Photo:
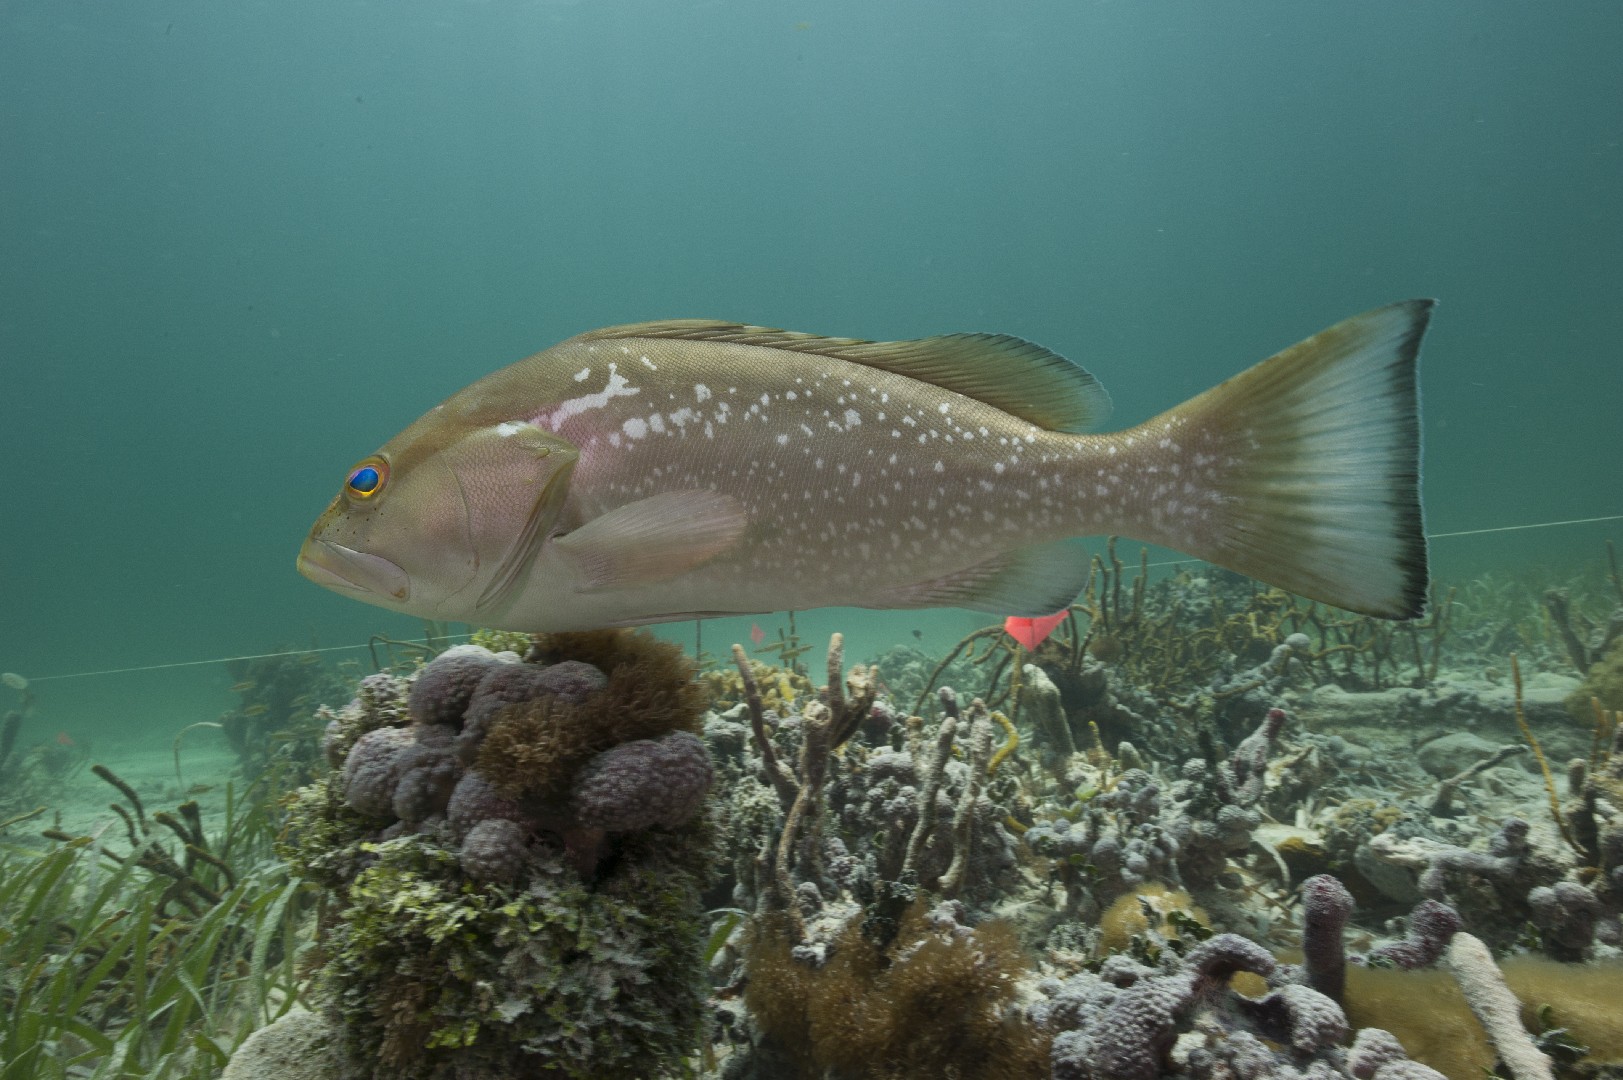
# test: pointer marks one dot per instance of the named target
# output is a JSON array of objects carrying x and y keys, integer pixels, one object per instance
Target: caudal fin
[{"x": 1307, "y": 467}]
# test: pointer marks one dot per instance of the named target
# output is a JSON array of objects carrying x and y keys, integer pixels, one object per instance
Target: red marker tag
[{"x": 1031, "y": 632}]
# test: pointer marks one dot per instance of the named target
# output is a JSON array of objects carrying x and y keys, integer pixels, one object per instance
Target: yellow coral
[
  {"x": 1125, "y": 917},
  {"x": 1427, "y": 1012}
]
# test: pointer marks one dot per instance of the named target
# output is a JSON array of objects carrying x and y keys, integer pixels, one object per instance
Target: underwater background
[{"x": 241, "y": 245}]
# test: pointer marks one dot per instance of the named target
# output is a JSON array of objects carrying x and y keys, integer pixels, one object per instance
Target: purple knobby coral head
[
  {"x": 643, "y": 783},
  {"x": 442, "y": 690},
  {"x": 495, "y": 851},
  {"x": 509, "y": 684},
  {"x": 371, "y": 770},
  {"x": 426, "y": 771},
  {"x": 474, "y": 800}
]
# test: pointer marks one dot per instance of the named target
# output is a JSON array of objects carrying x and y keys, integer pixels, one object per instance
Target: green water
[{"x": 245, "y": 243}]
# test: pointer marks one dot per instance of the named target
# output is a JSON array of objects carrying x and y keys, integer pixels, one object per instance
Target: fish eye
[{"x": 366, "y": 480}]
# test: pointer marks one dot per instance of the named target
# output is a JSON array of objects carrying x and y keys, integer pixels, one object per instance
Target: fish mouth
[{"x": 335, "y": 566}]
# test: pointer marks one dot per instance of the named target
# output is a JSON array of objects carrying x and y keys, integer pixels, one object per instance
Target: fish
[
  {"x": 757, "y": 635},
  {"x": 691, "y": 468}
]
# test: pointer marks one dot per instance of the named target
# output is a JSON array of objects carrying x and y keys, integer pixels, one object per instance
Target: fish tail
[{"x": 1304, "y": 471}]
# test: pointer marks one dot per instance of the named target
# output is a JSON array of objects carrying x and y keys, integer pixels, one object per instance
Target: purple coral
[
  {"x": 509, "y": 684},
  {"x": 444, "y": 687},
  {"x": 426, "y": 771},
  {"x": 370, "y": 771},
  {"x": 1377, "y": 1055},
  {"x": 1125, "y": 1030},
  {"x": 1326, "y": 906},
  {"x": 1566, "y": 912},
  {"x": 494, "y": 851},
  {"x": 643, "y": 783},
  {"x": 474, "y": 801},
  {"x": 572, "y": 681},
  {"x": 1431, "y": 926},
  {"x": 1249, "y": 762},
  {"x": 1300, "y": 1017}
]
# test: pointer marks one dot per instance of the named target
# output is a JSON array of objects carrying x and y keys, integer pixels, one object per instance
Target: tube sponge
[
  {"x": 1431, "y": 925},
  {"x": 1327, "y": 905},
  {"x": 1496, "y": 1008}
]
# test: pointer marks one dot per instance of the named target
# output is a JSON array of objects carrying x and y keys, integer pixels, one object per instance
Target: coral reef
[{"x": 1095, "y": 856}]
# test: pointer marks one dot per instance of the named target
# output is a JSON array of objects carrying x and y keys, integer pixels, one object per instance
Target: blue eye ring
[{"x": 367, "y": 479}]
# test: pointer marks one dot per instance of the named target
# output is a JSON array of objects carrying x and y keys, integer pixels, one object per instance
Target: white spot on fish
[
  {"x": 583, "y": 374},
  {"x": 942, "y": 408},
  {"x": 997, "y": 467},
  {"x": 617, "y": 386},
  {"x": 507, "y": 427},
  {"x": 783, "y": 440},
  {"x": 939, "y": 467},
  {"x": 701, "y": 391},
  {"x": 656, "y": 424},
  {"x": 792, "y": 396},
  {"x": 635, "y": 427},
  {"x": 851, "y": 418},
  {"x": 647, "y": 363}
]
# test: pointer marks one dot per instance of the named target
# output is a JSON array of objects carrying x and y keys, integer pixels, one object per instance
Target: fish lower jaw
[{"x": 342, "y": 569}]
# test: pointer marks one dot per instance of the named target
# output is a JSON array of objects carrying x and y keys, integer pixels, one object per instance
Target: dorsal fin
[{"x": 1010, "y": 373}]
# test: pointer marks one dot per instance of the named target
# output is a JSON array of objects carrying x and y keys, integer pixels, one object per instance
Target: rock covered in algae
[
  {"x": 297, "y": 1046},
  {"x": 478, "y": 935}
]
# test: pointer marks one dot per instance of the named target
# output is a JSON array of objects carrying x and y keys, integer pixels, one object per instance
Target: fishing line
[
  {"x": 353, "y": 648},
  {"x": 1464, "y": 532}
]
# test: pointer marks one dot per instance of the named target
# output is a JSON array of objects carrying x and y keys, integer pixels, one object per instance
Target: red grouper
[{"x": 683, "y": 469}]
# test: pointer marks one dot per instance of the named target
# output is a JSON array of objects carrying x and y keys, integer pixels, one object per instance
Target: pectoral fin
[
  {"x": 653, "y": 539},
  {"x": 516, "y": 560}
]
